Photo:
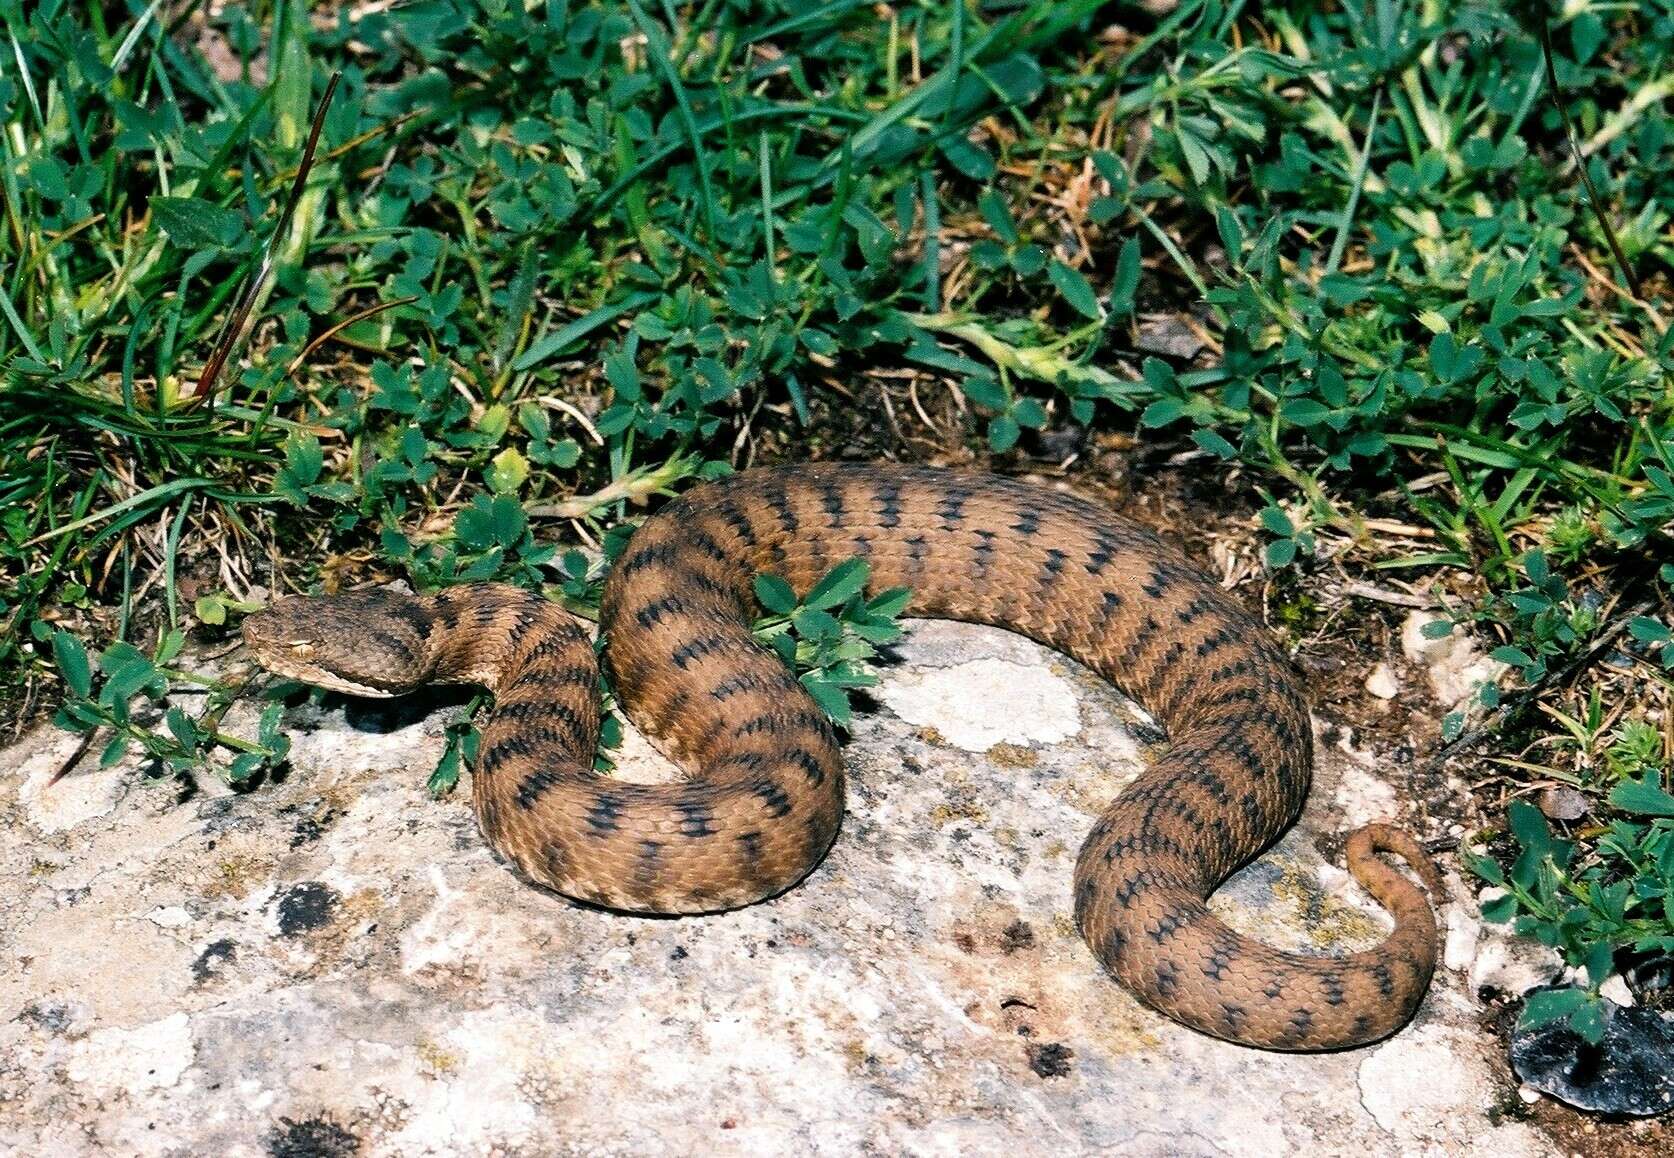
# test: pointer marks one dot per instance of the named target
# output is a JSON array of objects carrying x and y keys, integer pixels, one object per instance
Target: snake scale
[{"x": 765, "y": 795}]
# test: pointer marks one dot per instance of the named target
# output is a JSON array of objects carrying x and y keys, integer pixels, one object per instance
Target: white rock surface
[
  {"x": 1615, "y": 988},
  {"x": 1452, "y": 664},
  {"x": 1412, "y": 1086},
  {"x": 73, "y": 800},
  {"x": 1501, "y": 961},
  {"x": 985, "y": 702},
  {"x": 334, "y": 964},
  {"x": 1461, "y": 934},
  {"x": 1363, "y": 790},
  {"x": 117, "y": 1061}
]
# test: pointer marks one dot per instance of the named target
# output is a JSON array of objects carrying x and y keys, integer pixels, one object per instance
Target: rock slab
[{"x": 335, "y": 964}]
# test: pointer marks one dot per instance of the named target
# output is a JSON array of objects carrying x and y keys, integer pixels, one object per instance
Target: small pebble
[
  {"x": 1562, "y": 803},
  {"x": 1615, "y": 988},
  {"x": 1382, "y": 683},
  {"x": 170, "y": 917}
]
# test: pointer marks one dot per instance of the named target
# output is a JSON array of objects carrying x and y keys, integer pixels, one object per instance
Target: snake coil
[{"x": 765, "y": 797}]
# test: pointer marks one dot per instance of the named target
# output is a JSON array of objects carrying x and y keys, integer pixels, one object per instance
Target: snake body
[{"x": 765, "y": 797}]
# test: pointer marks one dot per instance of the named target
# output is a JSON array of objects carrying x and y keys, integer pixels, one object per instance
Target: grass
[{"x": 554, "y": 261}]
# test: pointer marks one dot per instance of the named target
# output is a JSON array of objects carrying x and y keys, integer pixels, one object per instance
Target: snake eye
[{"x": 301, "y": 648}]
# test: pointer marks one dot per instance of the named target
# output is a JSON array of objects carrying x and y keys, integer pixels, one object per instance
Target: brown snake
[{"x": 765, "y": 796}]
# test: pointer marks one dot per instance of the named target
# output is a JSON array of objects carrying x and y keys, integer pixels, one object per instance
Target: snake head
[{"x": 370, "y": 642}]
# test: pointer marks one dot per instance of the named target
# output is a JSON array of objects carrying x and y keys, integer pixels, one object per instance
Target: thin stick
[{"x": 1384, "y": 595}]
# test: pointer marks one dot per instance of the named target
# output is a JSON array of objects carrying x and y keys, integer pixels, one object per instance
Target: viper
[{"x": 764, "y": 795}]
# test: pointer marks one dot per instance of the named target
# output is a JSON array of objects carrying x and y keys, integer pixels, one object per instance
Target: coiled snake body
[{"x": 766, "y": 793}]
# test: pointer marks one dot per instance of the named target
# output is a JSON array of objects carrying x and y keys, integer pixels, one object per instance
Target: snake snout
[
  {"x": 284, "y": 628},
  {"x": 364, "y": 643}
]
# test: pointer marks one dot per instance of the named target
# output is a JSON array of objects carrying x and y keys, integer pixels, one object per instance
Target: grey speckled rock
[
  {"x": 336, "y": 963},
  {"x": 1627, "y": 1072}
]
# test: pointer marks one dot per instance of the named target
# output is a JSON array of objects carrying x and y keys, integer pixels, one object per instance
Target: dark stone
[
  {"x": 1649, "y": 973},
  {"x": 306, "y": 906},
  {"x": 1630, "y": 1072},
  {"x": 1169, "y": 336},
  {"x": 1564, "y": 803}
]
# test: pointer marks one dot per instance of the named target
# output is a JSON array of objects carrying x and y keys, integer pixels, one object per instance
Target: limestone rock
[
  {"x": 1381, "y": 682},
  {"x": 335, "y": 963},
  {"x": 1615, "y": 988}
]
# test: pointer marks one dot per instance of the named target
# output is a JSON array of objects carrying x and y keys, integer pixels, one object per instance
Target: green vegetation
[
  {"x": 558, "y": 259},
  {"x": 831, "y": 632},
  {"x": 1620, "y": 896},
  {"x": 126, "y": 674}
]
